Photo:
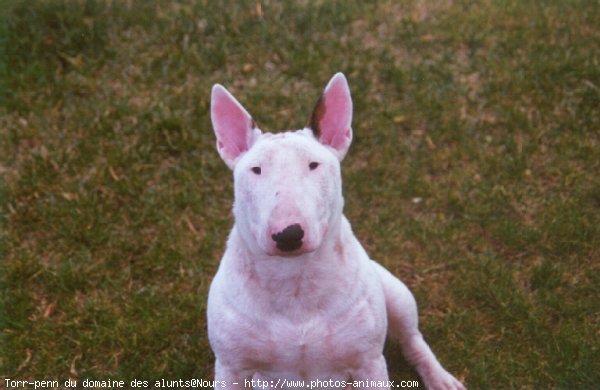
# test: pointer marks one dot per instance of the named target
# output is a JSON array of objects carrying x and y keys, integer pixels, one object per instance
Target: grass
[{"x": 473, "y": 175}]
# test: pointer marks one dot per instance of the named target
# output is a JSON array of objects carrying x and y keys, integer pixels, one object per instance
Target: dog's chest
[{"x": 311, "y": 343}]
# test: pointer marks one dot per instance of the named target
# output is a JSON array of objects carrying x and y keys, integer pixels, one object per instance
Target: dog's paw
[{"x": 443, "y": 380}]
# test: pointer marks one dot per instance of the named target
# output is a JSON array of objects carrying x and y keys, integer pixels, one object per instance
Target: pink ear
[
  {"x": 232, "y": 124},
  {"x": 331, "y": 119}
]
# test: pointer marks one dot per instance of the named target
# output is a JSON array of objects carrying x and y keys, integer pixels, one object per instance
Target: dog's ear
[
  {"x": 234, "y": 127},
  {"x": 331, "y": 119}
]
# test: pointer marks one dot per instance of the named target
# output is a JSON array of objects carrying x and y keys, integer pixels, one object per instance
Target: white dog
[{"x": 296, "y": 298}]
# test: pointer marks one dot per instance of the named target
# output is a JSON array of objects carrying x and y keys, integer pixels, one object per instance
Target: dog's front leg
[
  {"x": 403, "y": 326},
  {"x": 230, "y": 377},
  {"x": 371, "y": 376}
]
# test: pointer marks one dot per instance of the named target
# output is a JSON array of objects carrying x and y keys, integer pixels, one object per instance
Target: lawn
[{"x": 474, "y": 175}]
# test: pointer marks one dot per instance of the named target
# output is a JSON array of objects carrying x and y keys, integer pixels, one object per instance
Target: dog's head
[{"x": 287, "y": 185}]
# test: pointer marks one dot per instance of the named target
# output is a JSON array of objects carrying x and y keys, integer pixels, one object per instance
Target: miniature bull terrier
[{"x": 296, "y": 297}]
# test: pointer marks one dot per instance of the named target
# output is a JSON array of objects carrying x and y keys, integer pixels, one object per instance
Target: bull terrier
[{"x": 296, "y": 297}]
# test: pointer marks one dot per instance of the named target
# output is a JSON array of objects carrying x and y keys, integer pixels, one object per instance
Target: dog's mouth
[
  {"x": 291, "y": 250},
  {"x": 289, "y": 254}
]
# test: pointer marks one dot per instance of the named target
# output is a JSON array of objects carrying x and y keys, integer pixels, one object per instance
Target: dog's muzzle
[{"x": 289, "y": 239}]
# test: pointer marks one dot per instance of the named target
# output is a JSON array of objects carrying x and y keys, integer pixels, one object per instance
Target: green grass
[{"x": 474, "y": 174}]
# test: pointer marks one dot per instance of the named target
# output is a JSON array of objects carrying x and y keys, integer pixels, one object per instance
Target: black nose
[{"x": 290, "y": 238}]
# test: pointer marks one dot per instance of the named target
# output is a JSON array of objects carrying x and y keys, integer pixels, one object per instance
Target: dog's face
[
  {"x": 287, "y": 185},
  {"x": 287, "y": 188}
]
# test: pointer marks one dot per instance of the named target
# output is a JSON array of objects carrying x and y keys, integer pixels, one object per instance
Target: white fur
[{"x": 320, "y": 311}]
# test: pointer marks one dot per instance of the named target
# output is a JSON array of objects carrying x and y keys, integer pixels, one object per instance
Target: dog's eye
[
  {"x": 256, "y": 170},
  {"x": 313, "y": 165}
]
